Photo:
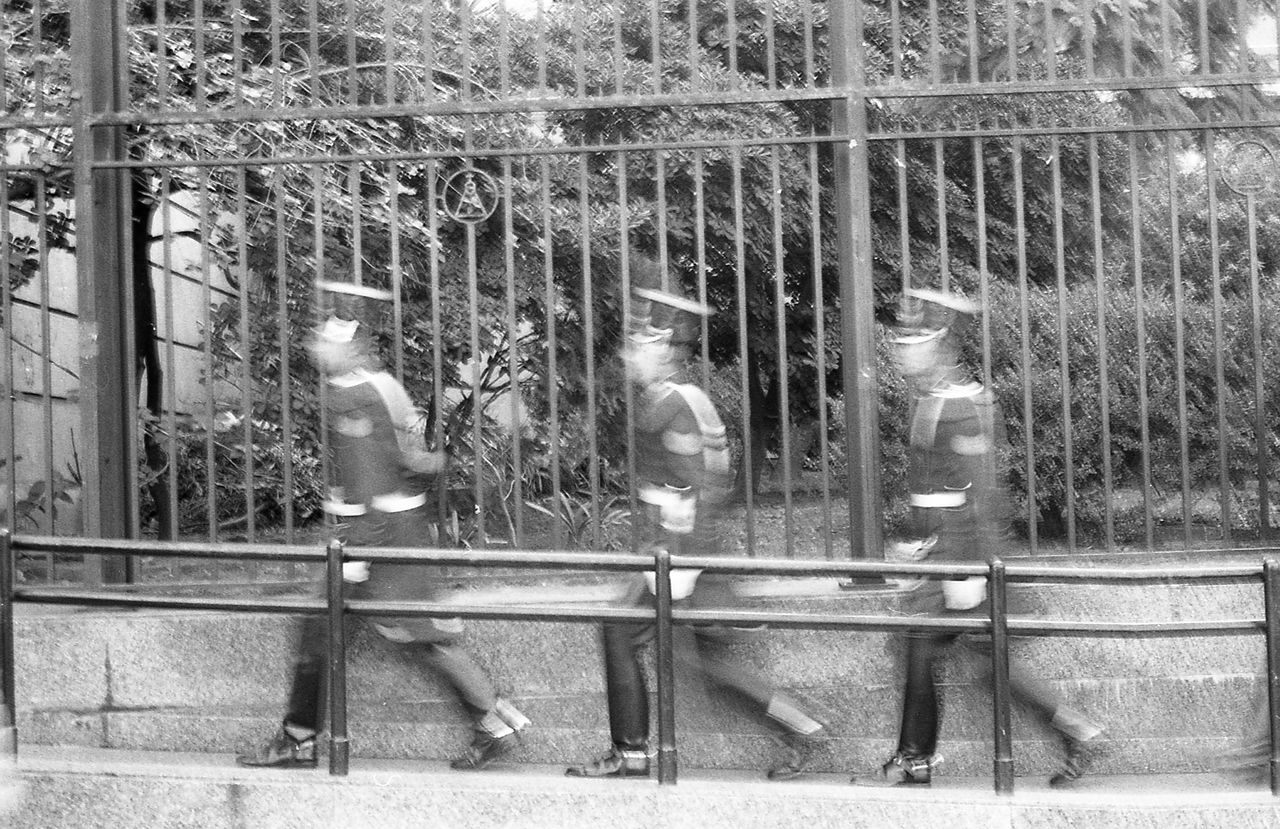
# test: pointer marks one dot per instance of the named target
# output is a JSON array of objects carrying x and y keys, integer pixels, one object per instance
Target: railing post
[
  {"x": 339, "y": 745},
  {"x": 1271, "y": 595},
  {"x": 665, "y": 659},
  {"x": 9, "y": 725},
  {"x": 1000, "y": 696}
]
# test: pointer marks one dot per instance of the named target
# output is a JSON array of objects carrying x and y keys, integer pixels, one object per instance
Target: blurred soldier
[
  {"x": 958, "y": 513},
  {"x": 378, "y": 451},
  {"x": 682, "y": 462}
]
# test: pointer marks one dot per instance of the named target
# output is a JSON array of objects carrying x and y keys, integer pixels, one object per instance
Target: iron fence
[{"x": 1102, "y": 179}]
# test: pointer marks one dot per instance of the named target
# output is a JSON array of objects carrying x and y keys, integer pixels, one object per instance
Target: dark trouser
[
  {"x": 697, "y": 648},
  {"x": 434, "y": 643},
  {"x": 919, "y": 734}
]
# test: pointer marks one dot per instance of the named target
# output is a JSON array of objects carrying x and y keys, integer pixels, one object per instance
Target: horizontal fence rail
[{"x": 999, "y": 573}]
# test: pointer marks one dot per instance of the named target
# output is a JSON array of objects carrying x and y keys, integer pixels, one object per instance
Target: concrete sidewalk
[{"x": 87, "y": 788}]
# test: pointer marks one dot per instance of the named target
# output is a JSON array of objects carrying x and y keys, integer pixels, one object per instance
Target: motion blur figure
[
  {"x": 378, "y": 457},
  {"x": 958, "y": 513},
  {"x": 685, "y": 479}
]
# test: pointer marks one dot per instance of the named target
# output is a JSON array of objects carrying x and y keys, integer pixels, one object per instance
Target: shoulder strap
[{"x": 715, "y": 443}]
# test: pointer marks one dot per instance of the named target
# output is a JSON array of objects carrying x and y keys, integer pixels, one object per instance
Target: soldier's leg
[
  {"x": 1079, "y": 733},
  {"x": 918, "y": 734},
  {"x": 628, "y": 699},
  {"x": 438, "y": 645},
  {"x": 802, "y": 733},
  {"x": 294, "y": 743}
]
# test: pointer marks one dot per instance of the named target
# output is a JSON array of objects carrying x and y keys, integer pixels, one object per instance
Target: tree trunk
[{"x": 148, "y": 356}]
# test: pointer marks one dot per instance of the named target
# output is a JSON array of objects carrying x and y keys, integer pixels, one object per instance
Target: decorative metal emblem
[
  {"x": 1249, "y": 168},
  {"x": 469, "y": 196}
]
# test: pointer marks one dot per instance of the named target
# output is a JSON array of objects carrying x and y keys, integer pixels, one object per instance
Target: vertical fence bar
[
  {"x": 1271, "y": 595},
  {"x": 1064, "y": 352},
  {"x": 780, "y": 330},
  {"x": 628, "y": 388},
  {"x": 665, "y": 664},
  {"x": 1024, "y": 326},
  {"x": 477, "y": 383},
  {"x": 745, "y": 379},
  {"x": 589, "y": 343},
  {"x": 1000, "y": 695},
  {"x": 513, "y": 356},
  {"x": 1104, "y": 384},
  {"x": 1179, "y": 338},
  {"x": 8, "y": 405},
  {"x": 1225, "y": 495},
  {"x": 339, "y": 744},
  {"x": 442, "y": 437},
  {"x": 1139, "y": 308},
  {"x": 246, "y": 281},
  {"x": 170, "y": 367},
  {"x": 286, "y": 368},
  {"x": 9, "y": 725},
  {"x": 46, "y": 351},
  {"x": 206, "y": 333},
  {"x": 1261, "y": 434},
  {"x": 553, "y": 346},
  {"x": 820, "y": 342}
]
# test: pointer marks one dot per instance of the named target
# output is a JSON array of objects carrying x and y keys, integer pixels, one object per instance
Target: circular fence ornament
[
  {"x": 469, "y": 196},
  {"x": 1249, "y": 168}
]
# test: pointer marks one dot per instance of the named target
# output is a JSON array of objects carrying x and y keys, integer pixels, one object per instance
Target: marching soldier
[
  {"x": 377, "y": 448},
  {"x": 957, "y": 514},
  {"x": 682, "y": 462}
]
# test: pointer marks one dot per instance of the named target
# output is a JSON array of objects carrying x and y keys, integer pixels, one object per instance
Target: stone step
[{"x": 175, "y": 680}]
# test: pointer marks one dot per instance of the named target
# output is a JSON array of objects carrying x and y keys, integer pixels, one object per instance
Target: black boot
[
  {"x": 283, "y": 750},
  {"x": 619, "y": 762},
  {"x": 901, "y": 770},
  {"x": 484, "y": 750},
  {"x": 1080, "y": 755},
  {"x": 801, "y": 749}
]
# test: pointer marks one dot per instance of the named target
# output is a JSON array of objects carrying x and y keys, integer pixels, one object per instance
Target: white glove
[
  {"x": 964, "y": 594},
  {"x": 355, "y": 572}
]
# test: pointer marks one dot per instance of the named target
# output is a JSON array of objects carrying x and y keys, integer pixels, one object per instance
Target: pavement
[{"x": 87, "y": 787}]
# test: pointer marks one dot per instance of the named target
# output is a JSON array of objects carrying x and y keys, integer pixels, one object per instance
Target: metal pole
[
  {"x": 9, "y": 725},
  {"x": 665, "y": 659},
  {"x": 101, "y": 196},
  {"x": 857, "y": 300},
  {"x": 339, "y": 745},
  {"x": 1000, "y": 696},
  {"x": 1271, "y": 595}
]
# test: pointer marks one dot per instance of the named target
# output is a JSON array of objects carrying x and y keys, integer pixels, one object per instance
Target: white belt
[
  {"x": 683, "y": 580},
  {"x": 953, "y": 498},
  {"x": 343, "y": 508},
  {"x": 398, "y": 502}
]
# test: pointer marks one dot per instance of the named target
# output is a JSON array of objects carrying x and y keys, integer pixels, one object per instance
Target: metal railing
[{"x": 665, "y": 614}]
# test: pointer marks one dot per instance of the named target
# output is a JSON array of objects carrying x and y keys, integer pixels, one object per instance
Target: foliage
[
  {"x": 579, "y": 521},
  {"x": 38, "y": 508},
  {"x": 736, "y": 221}
]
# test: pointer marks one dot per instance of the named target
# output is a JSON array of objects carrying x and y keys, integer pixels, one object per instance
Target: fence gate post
[
  {"x": 857, "y": 301},
  {"x": 107, "y": 404}
]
